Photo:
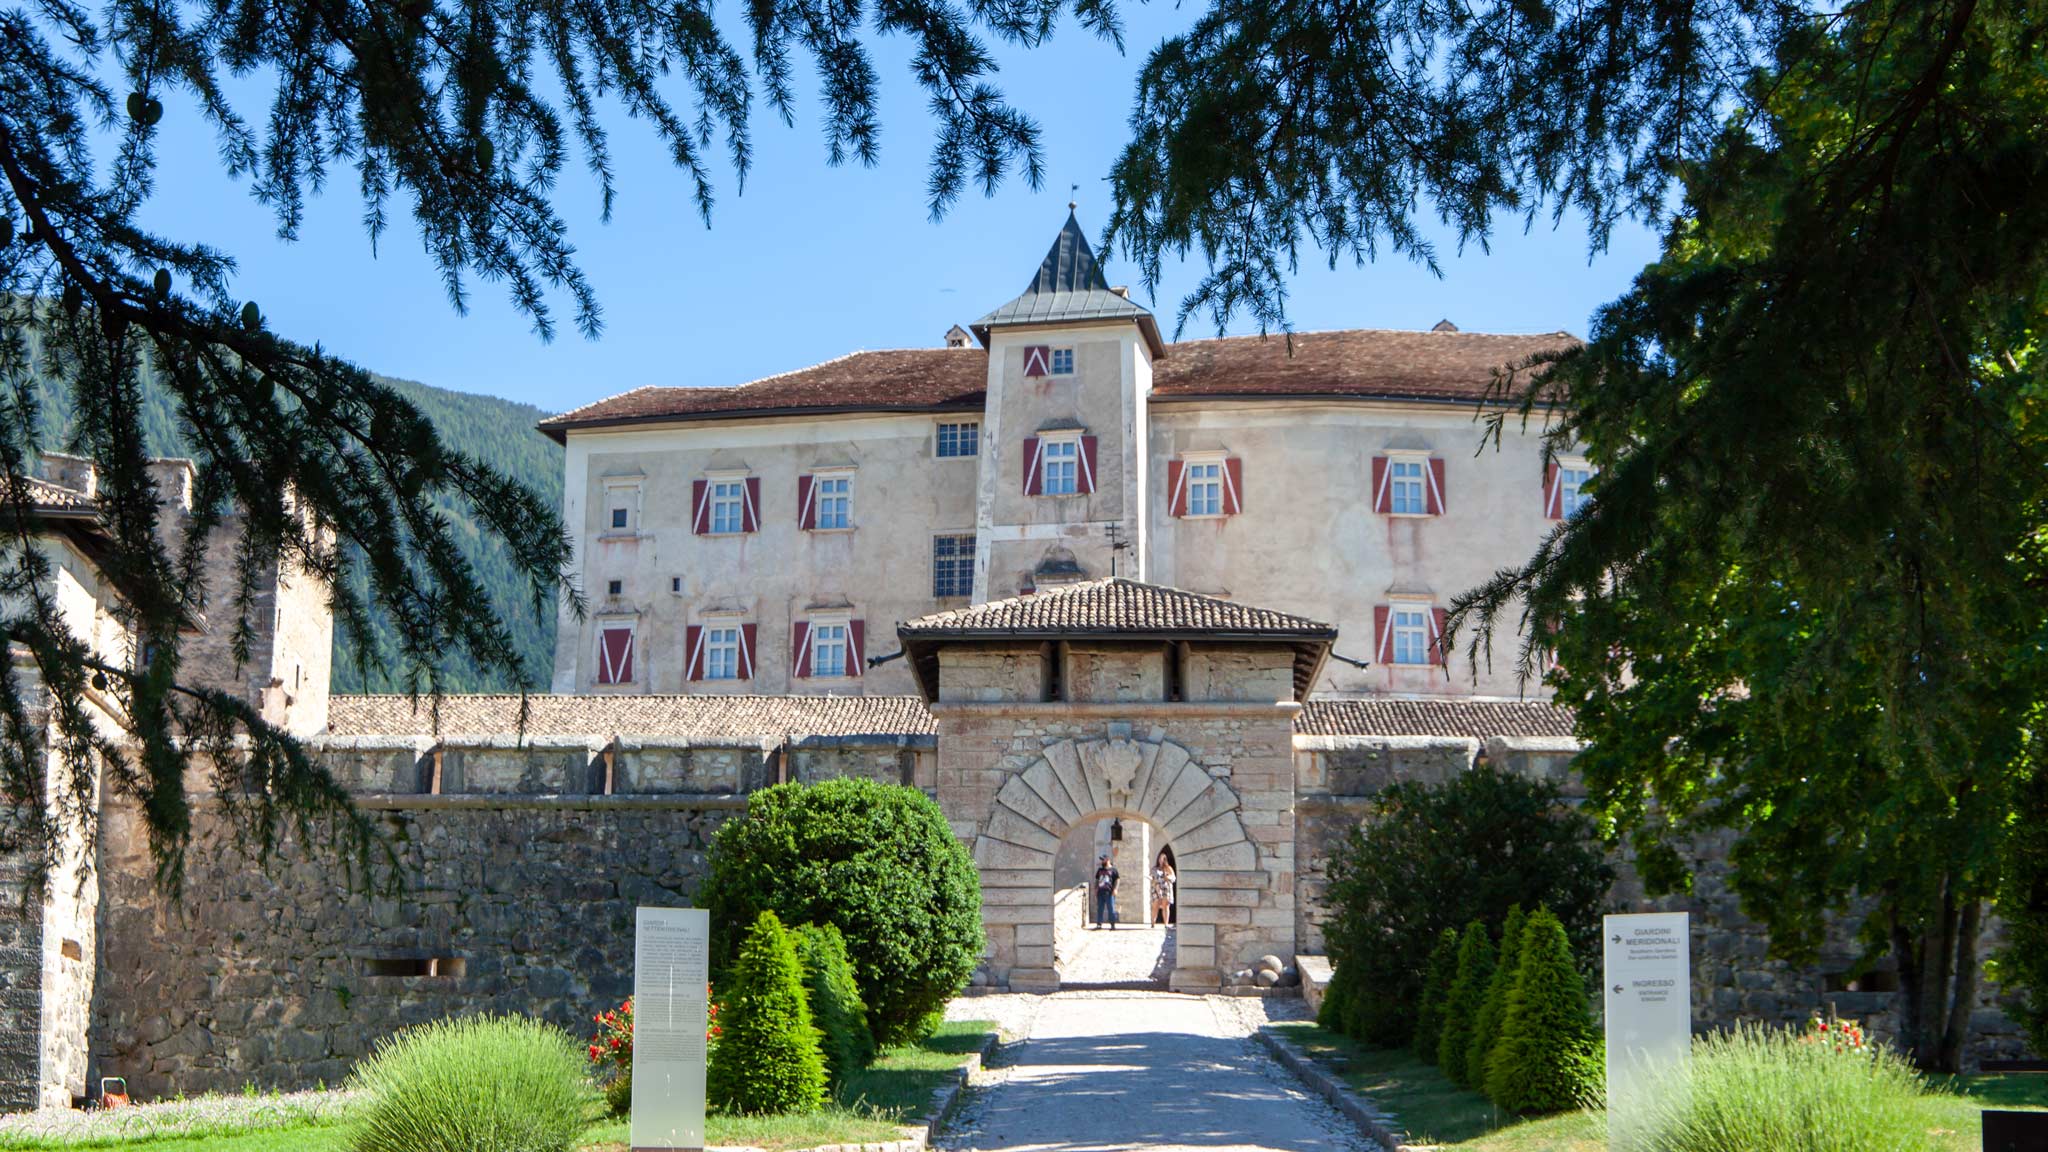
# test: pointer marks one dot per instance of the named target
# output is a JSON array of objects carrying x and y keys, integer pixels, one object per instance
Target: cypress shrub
[
  {"x": 1486, "y": 1028},
  {"x": 1335, "y": 1012},
  {"x": 878, "y": 862},
  {"x": 1547, "y": 1057},
  {"x": 767, "y": 1059},
  {"x": 478, "y": 1084},
  {"x": 836, "y": 1009},
  {"x": 1461, "y": 1006},
  {"x": 1436, "y": 989}
]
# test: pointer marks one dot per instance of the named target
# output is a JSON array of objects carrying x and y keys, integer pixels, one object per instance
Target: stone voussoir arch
[{"x": 1154, "y": 780}]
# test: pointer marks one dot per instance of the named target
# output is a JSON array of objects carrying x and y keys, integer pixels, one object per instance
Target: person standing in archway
[
  {"x": 1162, "y": 889},
  {"x": 1105, "y": 893}
]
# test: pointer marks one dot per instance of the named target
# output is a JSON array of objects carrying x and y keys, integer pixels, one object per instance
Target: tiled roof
[
  {"x": 701, "y": 717},
  {"x": 1371, "y": 364},
  {"x": 55, "y": 497},
  {"x": 907, "y": 379},
  {"x": 1114, "y": 605},
  {"x": 1367, "y": 362},
  {"x": 1478, "y": 719}
]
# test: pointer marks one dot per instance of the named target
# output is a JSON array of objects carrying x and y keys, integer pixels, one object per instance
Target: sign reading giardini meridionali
[
  {"x": 671, "y": 977},
  {"x": 1647, "y": 988}
]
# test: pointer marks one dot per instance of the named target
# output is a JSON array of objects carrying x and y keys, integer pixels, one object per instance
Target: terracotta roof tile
[
  {"x": 747, "y": 718},
  {"x": 1364, "y": 363},
  {"x": 1113, "y": 605},
  {"x": 55, "y": 497},
  {"x": 1478, "y": 719}
]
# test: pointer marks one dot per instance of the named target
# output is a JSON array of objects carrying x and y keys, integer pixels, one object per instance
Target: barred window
[{"x": 952, "y": 566}]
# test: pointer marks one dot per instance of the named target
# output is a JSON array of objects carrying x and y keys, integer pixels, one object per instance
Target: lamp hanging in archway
[{"x": 1116, "y": 828}]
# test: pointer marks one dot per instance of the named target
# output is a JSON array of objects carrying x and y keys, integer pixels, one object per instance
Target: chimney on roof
[
  {"x": 1444, "y": 326},
  {"x": 957, "y": 337},
  {"x": 1123, "y": 290},
  {"x": 76, "y": 473}
]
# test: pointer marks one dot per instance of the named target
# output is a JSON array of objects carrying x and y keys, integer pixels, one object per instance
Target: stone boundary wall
[{"x": 1734, "y": 977}]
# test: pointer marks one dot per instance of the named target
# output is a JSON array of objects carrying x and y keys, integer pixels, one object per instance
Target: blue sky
[{"x": 812, "y": 261}]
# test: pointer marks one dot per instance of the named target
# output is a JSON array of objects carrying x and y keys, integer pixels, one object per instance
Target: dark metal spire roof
[{"x": 1070, "y": 287}]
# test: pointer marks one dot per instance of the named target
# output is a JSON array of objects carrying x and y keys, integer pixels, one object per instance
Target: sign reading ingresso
[
  {"x": 671, "y": 984},
  {"x": 1648, "y": 993}
]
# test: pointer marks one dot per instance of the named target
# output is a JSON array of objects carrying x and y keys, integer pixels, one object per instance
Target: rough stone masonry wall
[{"x": 1734, "y": 978}]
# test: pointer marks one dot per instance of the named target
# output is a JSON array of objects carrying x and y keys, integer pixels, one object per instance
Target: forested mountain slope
[{"x": 498, "y": 431}]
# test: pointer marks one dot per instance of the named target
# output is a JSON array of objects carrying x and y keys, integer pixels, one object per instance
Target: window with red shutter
[
  {"x": 615, "y": 654},
  {"x": 1038, "y": 360},
  {"x": 1382, "y": 500},
  {"x": 693, "y": 649},
  {"x": 1553, "y": 498},
  {"x": 1383, "y": 636},
  {"x": 1438, "y": 641},
  {"x": 752, "y": 521},
  {"x": 1435, "y": 498},
  {"x": 1031, "y": 474},
  {"x": 1233, "y": 486},
  {"x": 806, "y": 512},
  {"x": 747, "y": 634},
  {"x": 1176, "y": 488},
  {"x": 800, "y": 649},
  {"x": 1087, "y": 464},
  {"x": 700, "y": 505},
  {"x": 856, "y": 647}
]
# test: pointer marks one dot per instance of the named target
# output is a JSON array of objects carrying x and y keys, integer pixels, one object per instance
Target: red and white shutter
[
  {"x": 750, "y": 508},
  {"x": 800, "y": 649},
  {"x": 1383, "y": 633},
  {"x": 1177, "y": 485},
  {"x": 1382, "y": 494},
  {"x": 693, "y": 647},
  {"x": 1087, "y": 477},
  {"x": 615, "y": 655},
  {"x": 700, "y": 504},
  {"x": 1433, "y": 498},
  {"x": 1553, "y": 491},
  {"x": 747, "y": 651},
  {"x": 1233, "y": 486},
  {"x": 1437, "y": 642},
  {"x": 1033, "y": 482},
  {"x": 1038, "y": 360},
  {"x": 806, "y": 511},
  {"x": 856, "y": 647}
]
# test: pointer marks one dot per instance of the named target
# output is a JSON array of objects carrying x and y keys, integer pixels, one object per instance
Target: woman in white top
[{"x": 1162, "y": 890}]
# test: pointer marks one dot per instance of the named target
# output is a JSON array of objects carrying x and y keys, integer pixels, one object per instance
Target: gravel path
[{"x": 1141, "y": 1070}]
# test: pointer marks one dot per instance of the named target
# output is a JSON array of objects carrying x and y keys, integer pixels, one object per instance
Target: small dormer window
[{"x": 1063, "y": 361}]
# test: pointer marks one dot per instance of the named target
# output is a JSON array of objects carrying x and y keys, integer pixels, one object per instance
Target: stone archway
[{"x": 1072, "y": 781}]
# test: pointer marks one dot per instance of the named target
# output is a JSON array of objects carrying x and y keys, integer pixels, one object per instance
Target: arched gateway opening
[
  {"x": 1116, "y": 700},
  {"x": 1130, "y": 947}
]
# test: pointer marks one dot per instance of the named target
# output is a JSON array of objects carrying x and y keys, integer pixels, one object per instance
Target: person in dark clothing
[{"x": 1105, "y": 893}]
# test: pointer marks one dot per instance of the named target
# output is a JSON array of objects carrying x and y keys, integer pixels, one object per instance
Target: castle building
[{"x": 766, "y": 538}]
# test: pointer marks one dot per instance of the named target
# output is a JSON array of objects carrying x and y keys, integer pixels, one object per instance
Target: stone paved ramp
[{"x": 1111, "y": 1071}]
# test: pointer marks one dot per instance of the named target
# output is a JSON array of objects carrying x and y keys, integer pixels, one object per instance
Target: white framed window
[
  {"x": 1410, "y": 624},
  {"x": 959, "y": 439},
  {"x": 621, "y": 507},
  {"x": 728, "y": 506},
  {"x": 1407, "y": 486},
  {"x": 835, "y": 501},
  {"x": 1205, "y": 487},
  {"x": 828, "y": 648},
  {"x": 1063, "y": 361},
  {"x": 1059, "y": 463},
  {"x": 1571, "y": 483},
  {"x": 722, "y": 652},
  {"x": 952, "y": 565}
]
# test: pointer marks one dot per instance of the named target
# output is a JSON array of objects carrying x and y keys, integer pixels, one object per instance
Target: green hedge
[
  {"x": 878, "y": 862},
  {"x": 1442, "y": 970},
  {"x": 477, "y": 1084},
  {"x": 834, "y": 995},
  {"x": 1548, "y": 1057},
  {"x": 767, "y": 1059}
]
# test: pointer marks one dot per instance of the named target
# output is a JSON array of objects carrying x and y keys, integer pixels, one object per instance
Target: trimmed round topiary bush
[
  {"x": 836, "y": 1009},
  {"x": 1461, "y": 1006},
  {"x": 476, "y": 1084},
  {"x": 1436, "y": 991},
  {"x": 1486, "y": 1028},
  {"x": 878, "y": 862},
  {"x": 1772, "y": 1090},
  {"x": 767, "y": 1061},
  {"x": 1547, "y": 1058}
]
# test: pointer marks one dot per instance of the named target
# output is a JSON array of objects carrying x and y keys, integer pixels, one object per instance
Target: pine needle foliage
[
  {"x": 1437, "y": 978},
  {"x": 475, "y": 1084},
  {"x": 834, "y": 998},
  {"x": 1548, "y": 1056},
  {"x": 767, "y": 1061},
  {"x": 1486, "y": 1026},
  {"x": 1476, "y": 960}
]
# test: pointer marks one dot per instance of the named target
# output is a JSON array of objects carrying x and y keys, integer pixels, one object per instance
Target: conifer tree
[
  {"x": 1486, "y": 1026},
  {"x": 1468, "y": 991},
  {"x": 834, "y": 998},
  {"x": 1547, "y": 1057},
  {"x": 1438, "y": 975},
  {"x": 767, "y": 1060}
]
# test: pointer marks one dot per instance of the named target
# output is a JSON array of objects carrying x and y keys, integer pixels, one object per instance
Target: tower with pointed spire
[{"x": 1063, "y": 482}]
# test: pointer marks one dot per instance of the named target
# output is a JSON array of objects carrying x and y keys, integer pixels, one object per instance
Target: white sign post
[
  {"x": 1648, "y": 990},
  {"x": 671, "y": 976}
]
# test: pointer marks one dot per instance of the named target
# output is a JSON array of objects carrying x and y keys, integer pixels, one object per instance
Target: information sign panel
[{"x": 671, "y": 978}]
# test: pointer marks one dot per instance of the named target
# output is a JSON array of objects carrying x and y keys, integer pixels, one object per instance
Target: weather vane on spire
[{"x": 1074, "y": 190}]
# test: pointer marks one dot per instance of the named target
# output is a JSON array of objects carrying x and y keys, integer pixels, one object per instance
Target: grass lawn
[
  {"x": 897, "y": 1088},
  {"x": 1437, "y": 1111}
]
